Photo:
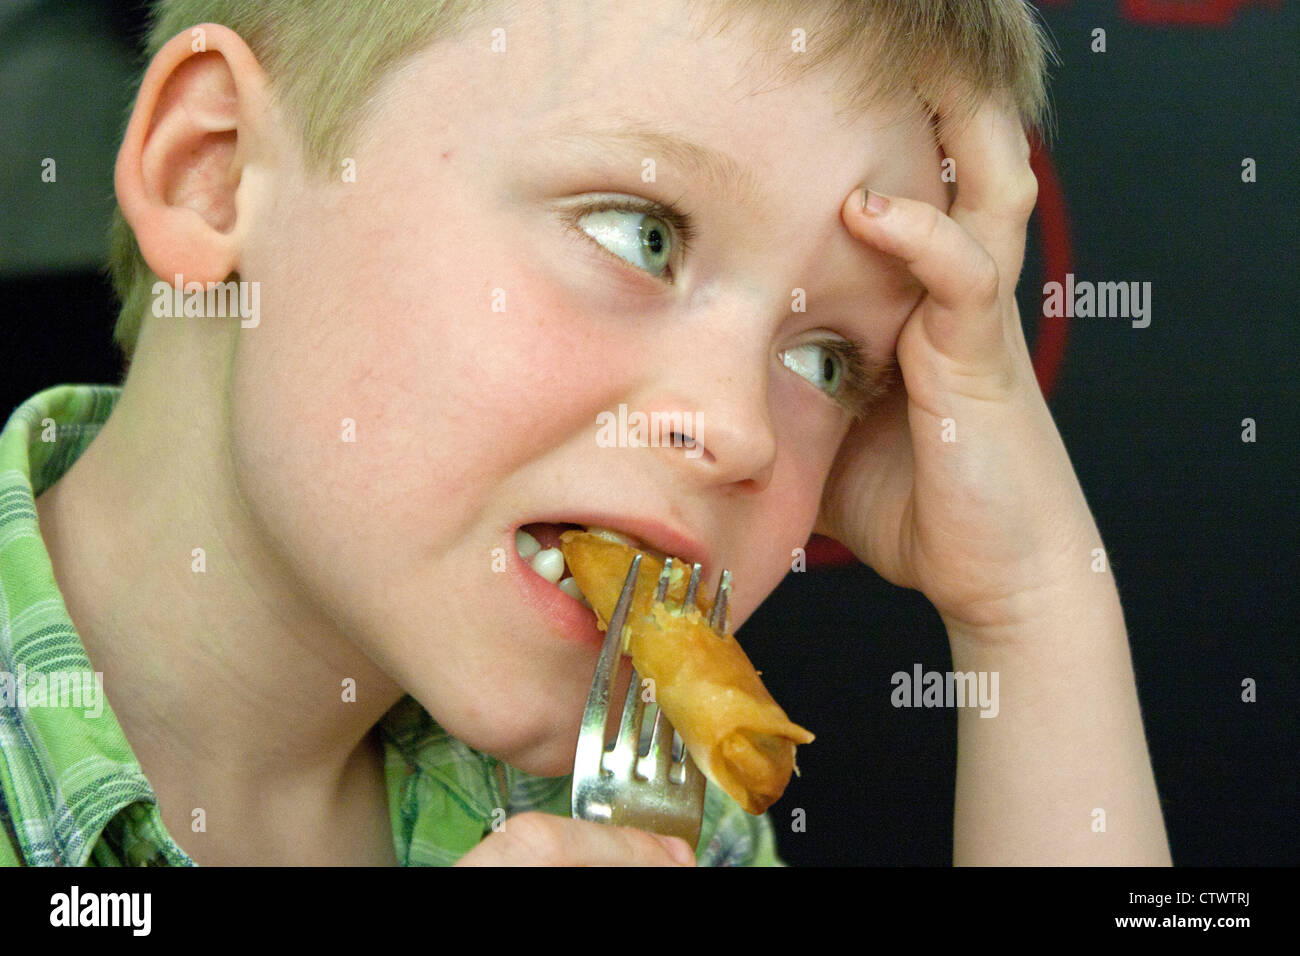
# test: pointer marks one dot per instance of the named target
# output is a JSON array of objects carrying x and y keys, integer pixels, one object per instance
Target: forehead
[
  {"x": 661, "y": 79},
  {"x": 584, "y": 94}
]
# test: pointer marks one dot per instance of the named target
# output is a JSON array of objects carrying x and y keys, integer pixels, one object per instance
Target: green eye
[
  {"x": 825, "y": 370},
  {"x": 643, "y": 239}
]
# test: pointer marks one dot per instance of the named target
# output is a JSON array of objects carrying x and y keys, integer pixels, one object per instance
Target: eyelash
[
  {"x": 683, "y": 229},
  {"x": 857, "y": 390}
]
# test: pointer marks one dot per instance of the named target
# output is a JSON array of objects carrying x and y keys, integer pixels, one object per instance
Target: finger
[
  {"x": 996, "y": 188},
  {"x": 960, "y": 277},
  {"x": 989, "y": 146},
  {"x": 563, "y": 841},
  {"x": 599, "y": 844}
]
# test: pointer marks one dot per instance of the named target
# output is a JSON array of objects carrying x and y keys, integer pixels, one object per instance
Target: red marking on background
[
  {"x": 1201, "y": 13},
  {"x": 1058, "y": 259},
  {"x": 1049, "y": 345},
  {"x": 827, "y": 552},
  {"x": 1179, "y": 13}
]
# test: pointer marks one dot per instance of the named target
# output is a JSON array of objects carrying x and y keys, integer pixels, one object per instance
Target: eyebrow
[{"x": 718, "y": 168}]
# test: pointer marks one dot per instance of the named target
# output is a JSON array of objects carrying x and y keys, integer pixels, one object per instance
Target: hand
[
  {"x": 541, "y": 839},
  {"x": 991, "y": 523}
]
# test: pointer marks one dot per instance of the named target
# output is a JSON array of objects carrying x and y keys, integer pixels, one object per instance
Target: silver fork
[{"x": 617, "y": 785}]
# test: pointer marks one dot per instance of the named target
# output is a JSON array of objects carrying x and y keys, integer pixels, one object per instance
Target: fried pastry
[{"x": 736, "y": 733}]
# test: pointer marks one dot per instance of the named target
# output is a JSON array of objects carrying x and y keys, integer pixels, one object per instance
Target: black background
[{"x": 1200, "y": 526}]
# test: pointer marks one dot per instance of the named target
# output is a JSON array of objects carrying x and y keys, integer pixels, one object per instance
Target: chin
[
  {"x": 546, "y": 752},
  {"x": 545, "y": 765},
  {"x": 550, "y": 755}
]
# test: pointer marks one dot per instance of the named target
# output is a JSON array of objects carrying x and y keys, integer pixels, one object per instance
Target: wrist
[{"x": 1041, "y": 617}]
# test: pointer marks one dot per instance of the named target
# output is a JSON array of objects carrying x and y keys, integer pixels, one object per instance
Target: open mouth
[{"x": 538, "y": 545}]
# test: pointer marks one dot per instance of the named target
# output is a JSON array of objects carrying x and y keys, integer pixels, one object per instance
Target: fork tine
[
  {"x": 692, "y": 777},
  {"x": 591, "y": 740},
  {"x": 622, "y": 760},
  {"x": 718, "y": 617},
  {"x": 692, "y": 587},
  {"x": 665, "y": 576},
  {"x": 659, "y": 764},
  {"x": 659, "y": 760}
]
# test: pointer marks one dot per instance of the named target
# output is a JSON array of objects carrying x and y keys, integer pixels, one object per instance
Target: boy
[{"x": 462, "y": 232}]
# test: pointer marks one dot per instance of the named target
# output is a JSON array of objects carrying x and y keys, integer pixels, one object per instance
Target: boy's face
[{"x": 452, "y": 305}]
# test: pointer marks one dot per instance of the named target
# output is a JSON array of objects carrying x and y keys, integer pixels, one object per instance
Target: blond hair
[{"x": 326, "y": 58}]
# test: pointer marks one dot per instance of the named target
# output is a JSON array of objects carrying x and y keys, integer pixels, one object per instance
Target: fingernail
[
  {"x": 873, "y": 203},
  {"x": 677, "y": 849}
]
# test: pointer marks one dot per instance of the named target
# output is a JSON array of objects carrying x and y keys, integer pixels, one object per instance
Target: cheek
[
  {"x": 809, "y": 439},
  {"x": 325, "y": 389},
  {"x": 809, "y": 428},
  {"x": 767, "y": 553},
  {"x": 409, "y": 358}
]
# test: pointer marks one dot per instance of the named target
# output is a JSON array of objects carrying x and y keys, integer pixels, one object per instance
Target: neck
[{"x": 228, "y": 680}]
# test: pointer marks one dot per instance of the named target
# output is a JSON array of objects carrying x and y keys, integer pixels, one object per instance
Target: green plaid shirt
[{"x": 71, "y": 790}]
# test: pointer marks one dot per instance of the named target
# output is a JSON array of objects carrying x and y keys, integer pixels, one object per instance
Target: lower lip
[{"x": 565, "y": 616}]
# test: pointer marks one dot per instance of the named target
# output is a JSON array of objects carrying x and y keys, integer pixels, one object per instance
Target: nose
[{"x": 719, "y": 422}]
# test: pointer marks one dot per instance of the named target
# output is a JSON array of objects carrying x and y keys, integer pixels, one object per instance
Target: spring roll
[{"x": 736, "y": 733}]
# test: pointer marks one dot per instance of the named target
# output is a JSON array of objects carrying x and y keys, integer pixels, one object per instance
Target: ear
[{"x": 184, "y": 175}]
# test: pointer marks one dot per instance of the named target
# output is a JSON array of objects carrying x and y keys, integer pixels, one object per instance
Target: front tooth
[
  {"x": 549, "y": 563},
  {"x": 526, "y": 544},
  {"x": 570, "y": 587},
  {"x": 609, "y": 535}
]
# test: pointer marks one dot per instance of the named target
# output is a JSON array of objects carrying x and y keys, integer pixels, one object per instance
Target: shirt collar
[{"x": 68, "y": 767}]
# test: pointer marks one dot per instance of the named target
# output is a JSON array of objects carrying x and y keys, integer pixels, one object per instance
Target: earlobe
[{"x": 183, "y": 165}]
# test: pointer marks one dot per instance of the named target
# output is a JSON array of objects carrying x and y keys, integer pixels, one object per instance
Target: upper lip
[{"x": 673, "y": 542}]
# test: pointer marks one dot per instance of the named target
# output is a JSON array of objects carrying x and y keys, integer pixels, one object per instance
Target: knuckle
[
  {"x": 927, "y": 228},
  {"x": 1024, "y": 193}
]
